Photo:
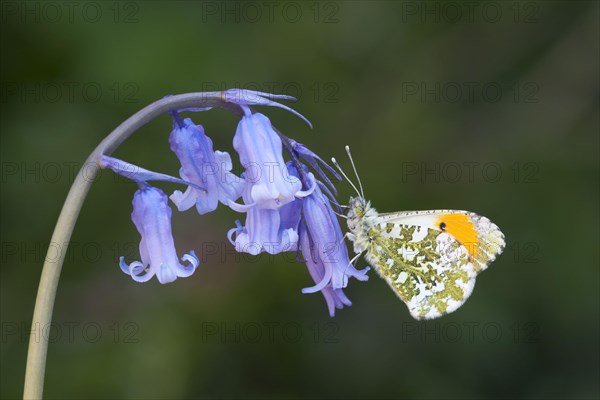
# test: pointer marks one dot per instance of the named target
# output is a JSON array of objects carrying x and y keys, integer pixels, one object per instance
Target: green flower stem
[{"x": 44, "y": 303}]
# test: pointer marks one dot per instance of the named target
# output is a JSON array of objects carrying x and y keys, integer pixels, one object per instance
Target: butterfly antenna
[
  {"x": 340, "y": 215},
  {"x": 334, "y": 161},
  {"x": 355, "y": 171}
]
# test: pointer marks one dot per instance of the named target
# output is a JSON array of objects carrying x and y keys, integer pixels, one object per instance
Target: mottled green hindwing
[{"x": 428, "y": 269}]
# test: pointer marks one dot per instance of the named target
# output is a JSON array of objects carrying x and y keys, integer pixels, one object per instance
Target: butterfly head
[
  {"x": 360, "y": 213},
  {"x": 357, "y": 207}
]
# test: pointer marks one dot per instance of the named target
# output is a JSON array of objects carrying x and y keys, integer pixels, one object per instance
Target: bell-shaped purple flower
[
  {"x": 152, "y": 218},
  {"x": 327, "y": 255},
  {"x": 203, "y": 167},
  {"x": 260, "y": 150},
  {"x": 267, "y": 230}
]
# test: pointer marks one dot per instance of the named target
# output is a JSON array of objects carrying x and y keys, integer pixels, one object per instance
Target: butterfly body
[{"x": 429, "y": 258}]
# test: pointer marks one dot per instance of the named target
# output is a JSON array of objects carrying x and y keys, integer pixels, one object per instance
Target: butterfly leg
[{"x": 352, "y": 261}]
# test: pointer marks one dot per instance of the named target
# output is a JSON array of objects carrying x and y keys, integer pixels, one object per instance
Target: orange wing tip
[
  {"x": 482, "y": 239},
  {"x": 462, "y": 228}
]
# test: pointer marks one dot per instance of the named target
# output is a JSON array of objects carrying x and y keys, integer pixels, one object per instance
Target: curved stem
[{"x": 44, "y": 303}]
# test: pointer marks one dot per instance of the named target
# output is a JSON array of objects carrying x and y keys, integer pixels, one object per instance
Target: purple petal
[
  {"x": 315, "y": 162},
  {"x": 253, "y": 98},
  {"x": 139, "y": 174}
]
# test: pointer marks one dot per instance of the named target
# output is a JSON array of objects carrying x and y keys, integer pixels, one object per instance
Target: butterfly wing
[{"x": 431, "y": 258}]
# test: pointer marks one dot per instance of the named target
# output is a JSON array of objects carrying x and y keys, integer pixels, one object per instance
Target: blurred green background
[{"x": 490, "y": 107}]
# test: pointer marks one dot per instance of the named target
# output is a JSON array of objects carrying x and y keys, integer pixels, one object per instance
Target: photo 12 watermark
[
  {"x": 525, "y": 252},
  {"x": 470, "y": 12},
  {"x": 425, "y": 172},
  {"x": 472, "y": 332},
  {"x": 270, "y": 12},
  {"x": 70, "y": 12},
  {"x": 70, "y": 92},
  {"x": 268, "y": 332},
  {"x": 70, "y": 332},
  {"x": 36, "y": 172},
  {"x": 469, "y": 92}
]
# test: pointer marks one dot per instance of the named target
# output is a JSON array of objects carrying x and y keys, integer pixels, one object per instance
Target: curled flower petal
[
  {"x": 308, "y": 192},
  {"x": 325, "y": 280},
  {"x": 241, "y": 207},
  {"x": 135, "y": 269},
  {"x": 237, "y": 230},
  {"x": 193, "y": 263}
]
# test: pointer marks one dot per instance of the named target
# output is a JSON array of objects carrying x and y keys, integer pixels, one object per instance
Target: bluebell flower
[
  {"x": 271, "y": 230},
  {"x": 152, "y": 218},
  {"x": 261, "y": 154},
  {"x": 202, "y": 166},
  {"x": 324, "y": 249}
]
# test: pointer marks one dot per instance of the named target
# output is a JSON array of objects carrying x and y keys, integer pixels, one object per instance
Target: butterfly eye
[{"x": 442, "y": 225}]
